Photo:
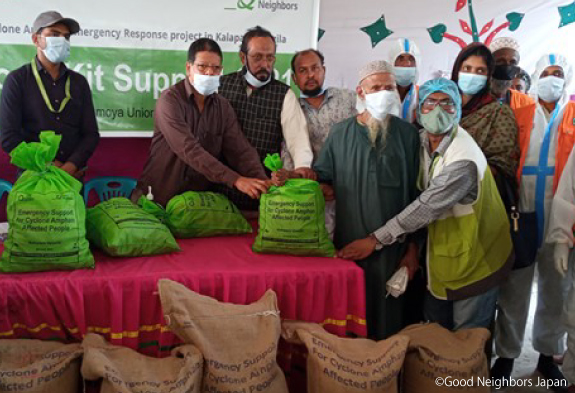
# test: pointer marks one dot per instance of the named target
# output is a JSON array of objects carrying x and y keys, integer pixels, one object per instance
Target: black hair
[
  {"x": 522, "y": 74},
  {"x": 474, "y": 49},
  {"x": 203, "y": 45},
  {"x": 257, "y": 31},
  {"x": 305, "y": 52}
]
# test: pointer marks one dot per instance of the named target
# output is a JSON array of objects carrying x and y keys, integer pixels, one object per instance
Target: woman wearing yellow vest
[
  {"x": 468, "y": 231},
  {"x": 545, "y": 148}
]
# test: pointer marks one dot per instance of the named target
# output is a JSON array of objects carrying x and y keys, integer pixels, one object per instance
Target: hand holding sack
[
  {"x": 292, "y": 218},
  {"x": 46, "y": 213}
]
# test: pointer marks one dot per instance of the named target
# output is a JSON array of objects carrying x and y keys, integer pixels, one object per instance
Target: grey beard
[
  {"x": 377, "y": 129},
  {"x": 500, "y": 87}
]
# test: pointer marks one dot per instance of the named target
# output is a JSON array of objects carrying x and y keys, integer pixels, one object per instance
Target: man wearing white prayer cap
[
  {"x": 547, "y": 148},
  {"x": 372, "y": 162},
  {"x": 505, "y": 51},
  {"x": 406, "y": 60}
]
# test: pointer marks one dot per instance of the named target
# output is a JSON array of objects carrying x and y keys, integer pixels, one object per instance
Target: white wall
[{"x": 347, "y": 48}]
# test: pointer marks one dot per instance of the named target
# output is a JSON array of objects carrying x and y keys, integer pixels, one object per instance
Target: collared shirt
[
  {"x": 456, "y": 183},
  {"x": 24, "y": 114},
  {"x": 188, "y": 145},
  {"x": 294, "y": 129},
  {"x": 338, "y": 105}
]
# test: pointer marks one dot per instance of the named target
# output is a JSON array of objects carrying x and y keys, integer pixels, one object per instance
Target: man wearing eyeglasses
[
  {"x": 195, "y": 130},
  {"x": 267, "y": 109},
  {"x": 45, "y": 95},
  {"x": 468, "y": 233}
]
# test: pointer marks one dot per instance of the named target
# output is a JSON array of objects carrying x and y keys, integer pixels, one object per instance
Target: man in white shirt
[{"x": 268, "y": 110}]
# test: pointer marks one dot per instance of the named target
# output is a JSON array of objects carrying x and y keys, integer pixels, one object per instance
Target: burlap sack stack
[
  {"x": 35, "y": 366},
  {"x": 126, "y": 371},
  {"x": 346, "y": 365},
  {"x": 239, "y": 343}
]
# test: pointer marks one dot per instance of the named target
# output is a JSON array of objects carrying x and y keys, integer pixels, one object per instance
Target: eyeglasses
[
  {"x": 259, "y": 57},
  {"x": 446, "y": 103},
  {"x": 205, "y": 67}
]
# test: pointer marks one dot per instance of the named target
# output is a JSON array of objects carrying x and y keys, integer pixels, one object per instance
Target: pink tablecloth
[{"x": 119, "y": 300}]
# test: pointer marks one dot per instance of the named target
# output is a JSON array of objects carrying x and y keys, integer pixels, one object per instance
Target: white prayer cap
[
  {"x": 504, "y": 42},
  {"x": 375, "y": 67}
]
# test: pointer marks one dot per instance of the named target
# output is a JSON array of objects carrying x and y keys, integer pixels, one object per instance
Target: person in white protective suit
[
  {"x": 560, "y": 234},
  {"x": 548, "y": 147},
  {"x": 406, "y": 60}
]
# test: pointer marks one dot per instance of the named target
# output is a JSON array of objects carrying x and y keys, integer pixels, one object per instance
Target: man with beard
[
  {"x": 323, "y": 107},
  {"x": 267, "y": 110},
  {"x": 44, "y": 94},
  {"x": 461, "y": 208},
  {"x": 372, "y": 162}
]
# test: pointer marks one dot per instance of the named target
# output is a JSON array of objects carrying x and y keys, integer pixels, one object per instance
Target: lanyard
[
  {"x": 45, "y": 95},
  {"x": 407, "y": 103}
]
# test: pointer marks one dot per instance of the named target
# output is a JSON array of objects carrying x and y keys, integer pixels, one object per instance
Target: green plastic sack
[
  {"x": 292, "y": 221},
  {"x": 122, "y": 229},
  {"x": 201, "y": 214},
  {"x": 46, "y": 213}
]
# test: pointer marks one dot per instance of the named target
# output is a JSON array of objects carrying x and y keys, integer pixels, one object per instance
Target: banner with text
[{"x": 130, "y": 51}]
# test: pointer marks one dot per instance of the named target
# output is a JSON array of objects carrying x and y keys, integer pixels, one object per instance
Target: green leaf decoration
[
  {"x": 320, "y": 34},
  {"x": 514, "y": 19},
  {"x": 273, "y": 162},
  {"x": 436, "y": 32},
  {"x": 377, "y": 31},
  {"x": 567, "y": 14}
]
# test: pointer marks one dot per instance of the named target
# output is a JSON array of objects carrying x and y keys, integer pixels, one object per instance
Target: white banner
[{"x": 132, "y": 50}]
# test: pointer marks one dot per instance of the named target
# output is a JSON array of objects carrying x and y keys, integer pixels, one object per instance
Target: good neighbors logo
[{"x": 270, "y": 5}]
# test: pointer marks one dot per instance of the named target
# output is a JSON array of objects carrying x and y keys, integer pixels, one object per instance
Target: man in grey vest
[{"x": 268, "y": 110}]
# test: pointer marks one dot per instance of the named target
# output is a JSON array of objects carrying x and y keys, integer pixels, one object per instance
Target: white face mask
[
  {"x": 57, "y": 49},
  {"x": 206, "y": 84},
  {"x": 550, "y": 88},
  {"x": 382, "y": 103},
  {"x": 255, "y": 82},
  {"x": 404, "y": 76}
]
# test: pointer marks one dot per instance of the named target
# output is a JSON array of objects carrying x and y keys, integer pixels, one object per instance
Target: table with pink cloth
[{"x": 119, "y": 298}]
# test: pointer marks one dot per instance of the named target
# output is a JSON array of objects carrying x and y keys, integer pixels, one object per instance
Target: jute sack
[
  {"x": 340, "y": 365},
  {"x": 435, "y": 352},
  {"x": 125, "y": 371},
  {"x": 34, "y": 366},
  {"x": 239, "y": 343}
]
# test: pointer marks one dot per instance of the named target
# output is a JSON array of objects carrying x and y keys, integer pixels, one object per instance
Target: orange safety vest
[{"x": 524, "y": 107}]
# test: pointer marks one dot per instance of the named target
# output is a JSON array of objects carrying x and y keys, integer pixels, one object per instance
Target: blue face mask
[
  {"x": 471, "y": 84},
  {"x": 404, "y": 76},
  {"x": 57, "y": 49}
]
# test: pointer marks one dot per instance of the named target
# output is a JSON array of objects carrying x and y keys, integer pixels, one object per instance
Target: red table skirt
[{"x": 119, "y": 299}]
